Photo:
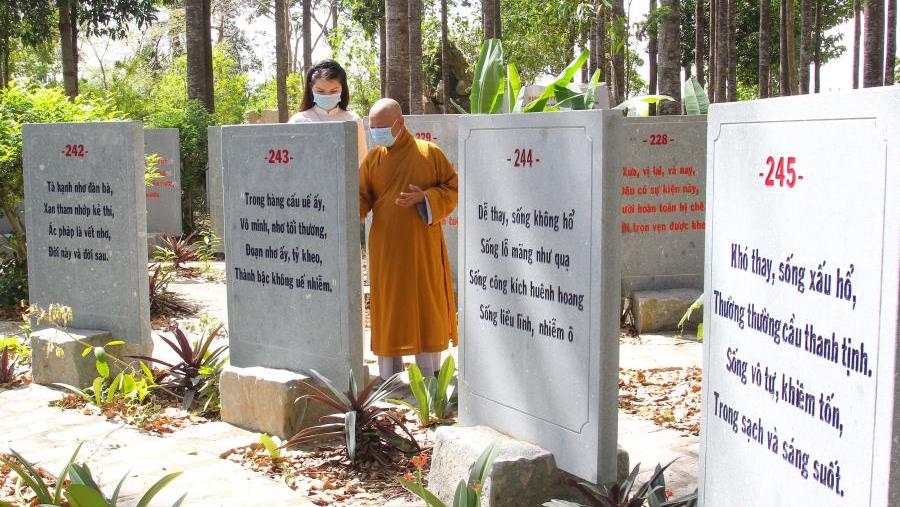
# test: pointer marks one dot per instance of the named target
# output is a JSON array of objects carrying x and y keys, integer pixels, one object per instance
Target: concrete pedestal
[{"x": 56, "y": 356}]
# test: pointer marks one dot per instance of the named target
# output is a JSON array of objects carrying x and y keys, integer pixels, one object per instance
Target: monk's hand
[{"x": 414, "y": 196}]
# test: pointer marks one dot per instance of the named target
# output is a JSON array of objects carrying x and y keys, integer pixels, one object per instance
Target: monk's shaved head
[{"x": 384, "y": 113}]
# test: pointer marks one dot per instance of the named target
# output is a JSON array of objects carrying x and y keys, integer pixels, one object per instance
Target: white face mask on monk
[{"x": 383, "y": 136}]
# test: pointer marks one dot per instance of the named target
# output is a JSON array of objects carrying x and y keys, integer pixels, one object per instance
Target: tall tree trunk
[
  {"x": 805, "y": 19},
  {"x": 68, "y": 45},
  {"x": 713, "y": 47},
  {"x": 397, "y": 16},
  {"x": 334, "y": 14},
  {"x": 765, "y": 31},
  {"x": 784, "y": 74},
  {"x": 490, "y": 19},
  {"x": 382, "y": 55},
  {"x": 698, "y": 41},
  {"x": 445, "y": 56},
  {"x": 721, "y": 50},
  {"x": 281, "y": 59},
  {"x": 873, "y": 56},
  {"x": 4, "y": 64},
  {"x": 415, "y": 56},
  {"x": 890, "y": 57},
  {"x": 617, "y": 50},
  {"x": 600, "y": 46},
  {"x": 653, "y": 55},
  {"x": 817, "y": 49},
  {"x": 732, "y": 51},
  {"x": 857, "y": 31},
  {"x": 307, "y": 35},
  {"x": 199, "y": 61},
  {"x": 208, "y": 56},
  {"x": 793, "y": 49},
  {"x": 670, "y": 57}
]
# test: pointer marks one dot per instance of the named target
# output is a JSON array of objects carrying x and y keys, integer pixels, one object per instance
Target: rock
[
  {"x": 660, "y": 310},
  {"x": 56, "y": 355},
  {"x": 262, "y": 399},
  {"x": 523, "y": 474}
]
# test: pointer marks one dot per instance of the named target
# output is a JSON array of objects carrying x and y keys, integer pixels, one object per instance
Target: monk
[{"x": 409, "y": 186}]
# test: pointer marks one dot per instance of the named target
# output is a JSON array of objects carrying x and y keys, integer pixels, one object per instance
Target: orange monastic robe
[{"x": 412, "y": 304}]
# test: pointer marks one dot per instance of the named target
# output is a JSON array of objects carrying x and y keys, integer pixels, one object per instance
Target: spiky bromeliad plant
[
  {"x": 199, "y": 363},
  {"x": 651, "y": 494},
  {"x": 369, "y": 429},
  {"x": 177, "y": 250}
]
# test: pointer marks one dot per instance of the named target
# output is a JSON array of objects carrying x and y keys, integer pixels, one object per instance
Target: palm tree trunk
[
  {"x": 382, "y": 56},
  {"x": 804, "y": 46},
  {"x": 890, "y": 57},
  {"x": 617, "y": 50},
  {"x": 784, "y": 75},
  {"x": 397, "y": 16},
  {"x": 490, "y": 19},
  {"x": 713, "y": 38},
  {"x": 856, "y": 38},
  {"x": 600, "y": 45},
  {"x": 68, "y": 45},
  {"x": 721, "y": 50},
  {"x": 817, "y": 50},
  {"x": 281, "y": 59},
  {"x": 307, "y": 35},
  {"x": 652, "y": 55},
  {"x": 698, "y": 42},
  {"x": 415, "y": 56},
  {"x": 792, "y": 49},
  {"x": 873, "y": 56},
  {"x": 199, "y": 60},
  {"x": 670, "y": 58},
  {"x": 445, "y": 55},
  {"x": 732, "y": 52},
  {"x": 765, "y": 30},
  {"x": 4, "y": 63}
]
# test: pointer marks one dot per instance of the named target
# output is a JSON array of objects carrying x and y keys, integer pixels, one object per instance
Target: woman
[{"x": 325, "y": 98}]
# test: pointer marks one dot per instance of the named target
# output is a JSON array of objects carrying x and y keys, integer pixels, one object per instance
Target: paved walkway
[{"x": 48, "y": 435}]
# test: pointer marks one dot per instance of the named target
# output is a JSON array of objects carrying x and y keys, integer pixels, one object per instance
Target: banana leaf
[
  {"x": 591, "y": 90},
  {"x": 696, "y": 101},
  {"x": 563, "y": 79},
  {"x": 513, "y": 87},
  {"x": 637, "y": 106},
  {"x": 487, "y": 85}
]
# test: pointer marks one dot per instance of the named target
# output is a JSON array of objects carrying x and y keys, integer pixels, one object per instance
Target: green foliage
[
  {"x": 151, "y": 169},
  {"x": 696, "y": 102},
  {"x": 496, "y": 82},
  {"x": 176, "y": 250},
  {"x": 638, "y": 106},
  {"x": 13, "y": 277},
  {"x": 199, "y": 363},
  {"x": 696, "y": 305},
  {"x": 369, "y": 431},
  {"x": 468, "y": 494},
  {"x": 12, "y": 354},
  {"x": 35, "y": 480},
  {"x": 162, "y": 300},
  {"x": 83, "y": 490},
  {"x": 432, "y": 395},
  {"x": 652, "y": 493},
  {"x": 265, "y": 96},
  {"x": 129, "y": 385},
  {"x": 272, "y": 445}
]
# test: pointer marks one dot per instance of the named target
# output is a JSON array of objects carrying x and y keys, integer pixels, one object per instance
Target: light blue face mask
[
  {"x": 327, "y": 102},
  {"x": 382, "y": 136}
]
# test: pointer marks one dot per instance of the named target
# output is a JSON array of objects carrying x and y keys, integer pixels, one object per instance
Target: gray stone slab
[
  {"x": 85, "y": 212},
  {"x": 539, "y": 361},
  {"x": 215, "y": 191},
  {"x": 263, "y": 399},
  {"x": 801, "y": 316},
  {"x": 56, "y": 356},
  {"x": 164, "y": 196},
  {"x": 292, "y": 247},
  {"x": 662, "y": 310},
  {"x": 662, "y": 161}
]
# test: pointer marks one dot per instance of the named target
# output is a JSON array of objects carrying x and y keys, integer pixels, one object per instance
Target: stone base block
[
  {"x": 523, "y": 474},
  {"x": 56, "y": 355},
  {"x": 262, "y": 399},
  {"x": 660, "y": 310}
]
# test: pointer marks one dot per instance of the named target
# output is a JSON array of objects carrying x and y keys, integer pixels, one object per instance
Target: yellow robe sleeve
[
  {"x": 442, "y": 197},
  {"x": 366, "y": 195}
]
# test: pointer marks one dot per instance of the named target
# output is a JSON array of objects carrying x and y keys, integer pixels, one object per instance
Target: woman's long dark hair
[{"x": 326, "y": 69}]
